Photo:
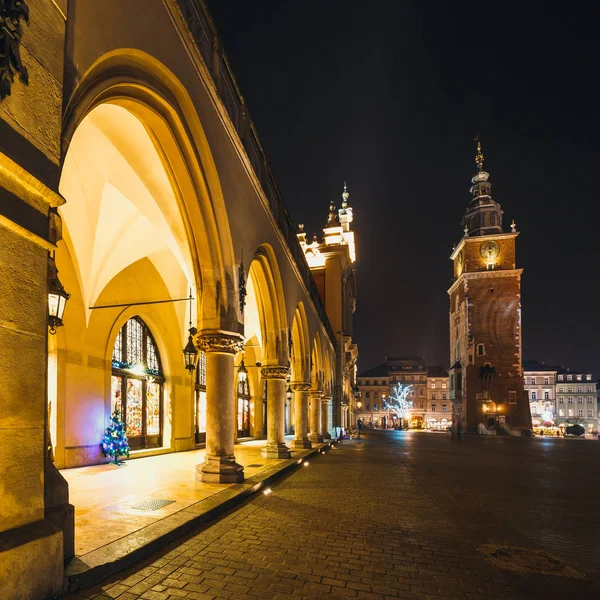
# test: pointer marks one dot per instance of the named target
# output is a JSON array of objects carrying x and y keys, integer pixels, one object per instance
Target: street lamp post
[{"x": 359, "y": 406}]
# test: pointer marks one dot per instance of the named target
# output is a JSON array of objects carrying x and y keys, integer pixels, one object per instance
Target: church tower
[{"x": 486, "y": 376}]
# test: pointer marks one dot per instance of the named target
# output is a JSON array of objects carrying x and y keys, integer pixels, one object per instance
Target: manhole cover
[
  {"x": 254, "y": 466},
  {"x": 527, "y": 560},
  {"x": 153, "y": 504}
]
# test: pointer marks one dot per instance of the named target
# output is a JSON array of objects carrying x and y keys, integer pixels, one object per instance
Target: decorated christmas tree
[{"x": 115, "y": 442}]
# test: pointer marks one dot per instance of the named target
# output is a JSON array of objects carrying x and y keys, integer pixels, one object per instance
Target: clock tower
[{"x": 486, "y": 376}]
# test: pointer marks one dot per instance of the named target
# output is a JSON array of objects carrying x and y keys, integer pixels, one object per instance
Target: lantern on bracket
[{"x": 57, "y": 297}]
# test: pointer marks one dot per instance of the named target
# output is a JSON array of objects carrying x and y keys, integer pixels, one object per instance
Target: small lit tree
[
  {"x": 398, "y": 403},
  {"x": 115, "y": 442}
]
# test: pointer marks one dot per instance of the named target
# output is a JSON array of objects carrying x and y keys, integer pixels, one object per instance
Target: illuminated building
[
  {"x": 486, "y": 375},
  {"x": 576, "y": 400},
  {"x": 331, "y": 261},
  {"x": 130, "y": 168},
  {"x": 439, "y": 406}
]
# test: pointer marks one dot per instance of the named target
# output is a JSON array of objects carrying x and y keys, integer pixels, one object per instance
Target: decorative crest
[
  {"x": 479, "y": 157},
  {"x": 11, "y": 13}
]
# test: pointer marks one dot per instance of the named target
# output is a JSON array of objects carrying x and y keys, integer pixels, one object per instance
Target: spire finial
[
  {"x": 345, "y": 196},
  {"x": 479, "y": 157}
]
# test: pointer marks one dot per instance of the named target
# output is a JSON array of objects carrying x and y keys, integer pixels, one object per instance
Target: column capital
[
  {"x": 275, "y": 372},
  {"x": 217, "y": 340},
  {"x": 315, "y": 393},
  {"x": 300, "y": 386},
  {"x": 326, "y": 399}
]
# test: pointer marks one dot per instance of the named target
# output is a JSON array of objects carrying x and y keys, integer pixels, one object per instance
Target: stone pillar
[
  {"x": 276, "y": 384},
  {"x": 300, "y": 389},
  {"x": 219, "y": 461},
  {"x": 315, "y": 416},
  {"x": 325, "y": 419}
]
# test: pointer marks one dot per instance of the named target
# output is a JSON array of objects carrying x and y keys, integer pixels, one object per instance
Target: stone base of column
[
  {"x": 316, "y": 438},
  {"x": 275, "y": 451},
  {"x": 32, "y": 561},
  {"x": 220, "y": 469},
  {"x": 300, "y": 444},
  {"x": 326, "y": 436}
]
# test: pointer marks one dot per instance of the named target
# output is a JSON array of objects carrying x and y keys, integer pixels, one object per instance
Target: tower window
[
  {"x": 486, "y": 219},
  {"x": 480, "y": 350}
]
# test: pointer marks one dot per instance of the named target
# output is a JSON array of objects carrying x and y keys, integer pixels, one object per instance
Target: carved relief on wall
[{"x": 11, "y": 14}]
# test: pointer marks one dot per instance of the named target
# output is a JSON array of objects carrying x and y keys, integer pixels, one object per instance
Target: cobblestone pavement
[{"x": 397, "y": 515}]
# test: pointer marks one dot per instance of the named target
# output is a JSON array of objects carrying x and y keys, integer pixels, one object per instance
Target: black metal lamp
[
  {"x": 190, "y": 353},
  {"x": 288, "y": 392},
  {"x": 57, "y": 297}
]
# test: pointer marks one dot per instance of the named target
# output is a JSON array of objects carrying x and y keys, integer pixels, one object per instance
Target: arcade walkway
[
  {"x": 399, "y": 515},
  {"x": 104, "y": 496}
]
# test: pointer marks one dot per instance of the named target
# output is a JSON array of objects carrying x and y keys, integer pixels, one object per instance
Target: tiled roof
[{"x": 378, "y": 371}]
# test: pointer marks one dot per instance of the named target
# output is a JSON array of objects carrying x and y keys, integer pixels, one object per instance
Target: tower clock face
[{"x": 489, "y": 250}]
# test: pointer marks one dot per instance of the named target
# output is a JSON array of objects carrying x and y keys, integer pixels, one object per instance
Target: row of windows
[
  {"x": 561, "y": 389},
  {"x": 571, "y": 412},
  {"x": 534, "y": 395},
  {"x": 534, "y": 380},
  {"x": 577, "y": 377},
  {"x": 444, "y": 407},
  {"x": 580, "y": 400},
  {"x": 394, "y": 379}
]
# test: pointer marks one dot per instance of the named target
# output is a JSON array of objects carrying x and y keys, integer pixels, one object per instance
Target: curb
[{"x": 124, "y": 552}]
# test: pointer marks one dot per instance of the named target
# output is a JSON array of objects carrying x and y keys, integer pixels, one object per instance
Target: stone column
[
  {"x": 300, "y": 389},
  {"x": 325, "y": 419},
  {"x": 276, "y": 376},
  {"x": 219, "y": 461},
  {"x": 315, "y": 416}
]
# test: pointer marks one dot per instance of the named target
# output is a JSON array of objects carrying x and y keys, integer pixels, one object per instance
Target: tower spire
[
  {"x": 479, "y": 156},
  {"x": 345, "y": 196}
]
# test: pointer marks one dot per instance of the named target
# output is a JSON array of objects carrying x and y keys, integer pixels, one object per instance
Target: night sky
[{"x": 389, "y": 97}]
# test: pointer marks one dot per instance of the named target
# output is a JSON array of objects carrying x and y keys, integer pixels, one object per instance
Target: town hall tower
[{"x": 486, "y": 375}]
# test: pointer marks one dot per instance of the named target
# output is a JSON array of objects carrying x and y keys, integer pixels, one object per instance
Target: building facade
[
  {"x": 486, "y": 375},
  {"x": 331, "y": 260},
  {"x": 540, "y": 386},
  {"x": 576, "y": 400},
  {"x": 132, "y": 176},
  {"x": 429, "y": 394},
  {"x": 439, "y": 406}
]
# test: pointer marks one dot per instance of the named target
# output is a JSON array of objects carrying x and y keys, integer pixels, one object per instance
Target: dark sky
[{"x": 389, "y": 96}]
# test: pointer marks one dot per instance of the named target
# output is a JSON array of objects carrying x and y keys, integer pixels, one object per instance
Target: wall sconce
[{"x": 57, "y": 297}]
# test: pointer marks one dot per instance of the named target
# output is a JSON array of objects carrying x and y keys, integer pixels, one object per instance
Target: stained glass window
[
  {"x": 135, "y": 334},
  {"x": 201, "y": 370},
  {"x": 153, "y": 408},
  {"x": 200, "y": 404},
  {"x": 133, "y": 418},
  {"x": 136, "y": 384},
  {"x": 115, "y": 394}
]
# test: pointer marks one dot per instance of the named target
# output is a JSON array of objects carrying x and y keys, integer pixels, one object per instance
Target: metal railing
[{"x": 206, "y": 37}]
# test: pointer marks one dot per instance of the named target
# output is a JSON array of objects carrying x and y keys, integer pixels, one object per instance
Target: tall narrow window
[
  {"x": 200, "y": 401},
  {"x": 137, "y": 384},
  {"x": 243, "y": 407}
]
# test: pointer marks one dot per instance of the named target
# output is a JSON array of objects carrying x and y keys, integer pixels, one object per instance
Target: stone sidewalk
[{"x": 355, "y": 523}]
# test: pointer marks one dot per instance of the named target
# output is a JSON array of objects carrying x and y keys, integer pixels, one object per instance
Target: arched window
[
  {"x": 471, "y": 223},
  {"x": 137, "y": 384},
  {"x": 243, "y": 407},
  {"x": 486, "y": 219},
  {"x": 200, "y": 402}
]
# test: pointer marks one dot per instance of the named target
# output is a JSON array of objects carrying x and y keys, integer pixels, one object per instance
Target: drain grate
[
  {"x": 527, "y": 560},
  {"x": 253, "y": 466},
  {"x": 153, "y": 504}
]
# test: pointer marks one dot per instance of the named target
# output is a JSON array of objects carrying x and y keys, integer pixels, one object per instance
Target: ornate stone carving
[
  {"x": 315, "y": 393},
  {"x": 275, "y": 372},
  {"x": 11, "y": 13},
  {"x": 300, "y": 386},
  {"x": 220, "y": 341}
]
